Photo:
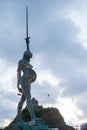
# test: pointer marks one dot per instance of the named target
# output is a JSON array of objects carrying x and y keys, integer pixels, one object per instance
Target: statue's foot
[
  {"x": 32, "y": 122},
  {"x": 36, "y": 121}
]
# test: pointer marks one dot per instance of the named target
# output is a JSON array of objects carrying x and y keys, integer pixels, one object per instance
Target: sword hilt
[{"x": 27, "y": 42}]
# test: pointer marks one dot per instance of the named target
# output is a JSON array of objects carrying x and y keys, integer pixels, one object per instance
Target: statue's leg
[
  {"x": 19, "y": 108},
  {"x": 30, "y": 107},
  {"x": 29, "y": 103}
]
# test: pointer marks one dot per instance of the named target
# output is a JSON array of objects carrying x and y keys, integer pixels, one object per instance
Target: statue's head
[{"x": 27, "y": 55}]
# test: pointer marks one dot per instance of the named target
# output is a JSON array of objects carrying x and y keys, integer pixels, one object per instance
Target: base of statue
[{"x": 37, "y": 125}]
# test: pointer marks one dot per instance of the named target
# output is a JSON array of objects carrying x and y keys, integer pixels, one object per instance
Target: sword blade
[{"x": 26, "y": 21}]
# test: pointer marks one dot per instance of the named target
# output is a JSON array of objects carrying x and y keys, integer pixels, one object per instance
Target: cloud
[
  {"x": 67, "y": 57},
  {"x": 59, "y": 55}
]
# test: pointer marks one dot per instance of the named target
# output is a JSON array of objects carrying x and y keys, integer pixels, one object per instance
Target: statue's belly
[{"x": 30, "y": 75}]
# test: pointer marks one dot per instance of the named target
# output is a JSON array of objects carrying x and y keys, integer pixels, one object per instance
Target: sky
[{"x": 58, "y": 42}]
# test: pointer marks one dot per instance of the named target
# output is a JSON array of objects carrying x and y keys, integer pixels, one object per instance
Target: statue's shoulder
[{"x": 20, "y": 62}]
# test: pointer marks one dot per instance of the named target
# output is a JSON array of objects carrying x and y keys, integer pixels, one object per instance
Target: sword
[{"x": 27, "y": 37}]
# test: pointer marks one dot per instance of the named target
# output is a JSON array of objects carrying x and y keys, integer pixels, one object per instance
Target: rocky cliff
[{"x": 51, "y": 116}]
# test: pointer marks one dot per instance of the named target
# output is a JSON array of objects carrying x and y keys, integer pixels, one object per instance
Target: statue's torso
[{"x": 28, "y": 72}]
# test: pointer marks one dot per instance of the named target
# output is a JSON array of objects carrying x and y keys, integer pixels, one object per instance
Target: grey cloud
[
  {"x": 54, "y": 36},
  {"x": 7, "y": 108},
  {"x": 81, "y": 105},
  {"x": 41, "y": 91}
]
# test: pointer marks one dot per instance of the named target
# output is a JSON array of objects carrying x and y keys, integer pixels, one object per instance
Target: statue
[
  {"x": 25, "y": 76},
  {"x": 26, "y": 79}
]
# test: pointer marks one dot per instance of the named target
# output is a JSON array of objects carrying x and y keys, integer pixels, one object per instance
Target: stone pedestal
[{"x": 38, "y": 125}]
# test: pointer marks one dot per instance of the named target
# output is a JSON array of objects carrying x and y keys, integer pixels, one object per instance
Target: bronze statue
[{"x": 24, "y": 80}]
